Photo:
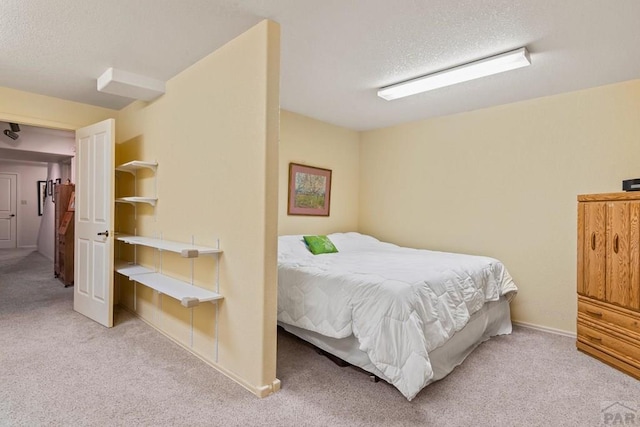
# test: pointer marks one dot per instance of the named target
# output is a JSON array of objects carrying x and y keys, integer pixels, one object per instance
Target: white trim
[
  {"x": 28, "y": 247},
  {"x": 545, "y": 329}
]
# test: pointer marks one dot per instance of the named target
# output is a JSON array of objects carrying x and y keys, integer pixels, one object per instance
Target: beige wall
[
  {"x": 216, "y": 142},
  {"x": 311, "y": 142},
  {"x": 214, "y": 135},
  {"x": 503, "y": 182},
  {"x": 45, "y": 111}
]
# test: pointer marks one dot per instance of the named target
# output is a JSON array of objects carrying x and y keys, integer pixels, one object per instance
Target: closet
[{"x": 609, "y": 279}]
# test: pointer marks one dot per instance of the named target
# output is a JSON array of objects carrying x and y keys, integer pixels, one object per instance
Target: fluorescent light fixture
[
  {"x": 484, "y": 67},
  {"x": 130, "y": 85}
]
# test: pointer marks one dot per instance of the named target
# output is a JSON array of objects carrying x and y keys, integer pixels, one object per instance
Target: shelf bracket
[
  {"x": 190, "y": 302},
  {"x": 189, "y": 253}
]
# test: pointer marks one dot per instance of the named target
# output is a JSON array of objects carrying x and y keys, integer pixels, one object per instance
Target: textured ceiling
[{"x": 335, "y": 53}]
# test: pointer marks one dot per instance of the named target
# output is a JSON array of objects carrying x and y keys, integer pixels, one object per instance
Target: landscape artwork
[{"x": 309, "y": 190}]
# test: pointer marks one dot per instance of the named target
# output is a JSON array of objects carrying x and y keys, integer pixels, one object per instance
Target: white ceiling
[{"x": 335, "y": 53}]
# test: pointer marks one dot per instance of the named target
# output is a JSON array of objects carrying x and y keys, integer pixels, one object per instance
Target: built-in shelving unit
[{"x": 189, "y": 294}]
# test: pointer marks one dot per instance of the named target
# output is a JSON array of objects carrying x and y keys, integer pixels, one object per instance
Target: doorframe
[
  {"x": 39, "y": 122},
  {"x": 35, "y": 121}
]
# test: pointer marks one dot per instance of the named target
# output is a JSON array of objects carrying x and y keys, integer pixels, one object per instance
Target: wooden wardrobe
[
  {"x": 63, "y": 233},
  {"x": 609, "y": 279}
]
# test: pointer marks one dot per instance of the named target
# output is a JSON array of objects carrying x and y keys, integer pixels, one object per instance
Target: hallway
[{"x": 27, "y": 283}]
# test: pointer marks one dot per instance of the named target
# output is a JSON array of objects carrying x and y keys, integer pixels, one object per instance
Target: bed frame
[{"x": 494, "y": 318}]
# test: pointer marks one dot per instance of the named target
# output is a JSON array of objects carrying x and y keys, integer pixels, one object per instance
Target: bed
[{"x": 408, "y": 316}]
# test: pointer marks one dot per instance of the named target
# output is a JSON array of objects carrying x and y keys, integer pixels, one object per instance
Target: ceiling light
[{"x": 484, "y": 67}]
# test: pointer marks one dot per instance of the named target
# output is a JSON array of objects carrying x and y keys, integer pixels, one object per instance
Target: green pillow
[{"x": 320, "y": 245}]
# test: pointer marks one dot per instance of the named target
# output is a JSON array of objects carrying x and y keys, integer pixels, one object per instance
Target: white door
[
  {"x": 8, "y": 210},
  {"x": 93, "y": 269}
]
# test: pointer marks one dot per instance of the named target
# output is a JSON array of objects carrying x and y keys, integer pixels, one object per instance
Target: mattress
[
  {"x": 400, "y": 304},
  {"x": 493, "y": 319}
]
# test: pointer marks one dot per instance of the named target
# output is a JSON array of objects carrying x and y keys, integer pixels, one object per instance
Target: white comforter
[{"x": 400, "y": 303}]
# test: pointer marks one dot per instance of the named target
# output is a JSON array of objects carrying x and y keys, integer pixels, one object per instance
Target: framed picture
[
  {"x": 42, "y": 194},
  {"x": 50, "y": 187},
  {"x": 309, "y": 190}
]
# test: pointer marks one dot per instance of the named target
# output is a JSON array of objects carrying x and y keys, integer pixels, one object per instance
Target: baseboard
[
  {"x": 545, "y": 329},
  {"x": 260, "y": 391},
  {"x": 27, "y": 247}
]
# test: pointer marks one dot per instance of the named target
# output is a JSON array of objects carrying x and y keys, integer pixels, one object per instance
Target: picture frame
[
  {"x": 309, "y": 190},
  {"x": 50, "y": 188},
  {"x": 42, "y": 194}
]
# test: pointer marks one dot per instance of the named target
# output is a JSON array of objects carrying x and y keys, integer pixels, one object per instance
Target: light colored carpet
[{"x": 59, "y": 368}]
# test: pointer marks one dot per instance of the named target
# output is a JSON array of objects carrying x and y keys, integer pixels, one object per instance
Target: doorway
[{"x": 36, "y": 159}]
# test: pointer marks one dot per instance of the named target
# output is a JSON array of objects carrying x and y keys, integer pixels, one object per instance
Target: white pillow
[
  {"x": 292, "y": 247},
  {"x": 352, "y": 241}
]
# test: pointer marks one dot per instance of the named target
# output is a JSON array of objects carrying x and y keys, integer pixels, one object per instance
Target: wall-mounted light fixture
[
  {"x": 484, "y": 67},
  {"x": 13, "y": 132}
]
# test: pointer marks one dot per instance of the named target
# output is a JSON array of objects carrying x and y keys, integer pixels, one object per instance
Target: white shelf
[
  {"x": 135, "y": 165},
  {"x": 129, "y": 269},
  {"x": 132, "y": 167},
  {"x": 188, "y": 295},
  {"x": 135, "y": 199},
  {"x": 187, "y": 250}
]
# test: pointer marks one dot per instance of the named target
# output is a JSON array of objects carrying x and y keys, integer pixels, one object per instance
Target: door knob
[
  {"x": 104, "y": 233},
  {"x": 12, "y": 215}
]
